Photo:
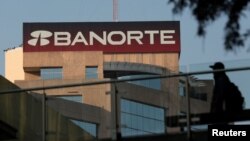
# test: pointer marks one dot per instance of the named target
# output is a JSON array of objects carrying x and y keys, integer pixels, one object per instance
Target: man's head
[{"x": 217, "y": 65}]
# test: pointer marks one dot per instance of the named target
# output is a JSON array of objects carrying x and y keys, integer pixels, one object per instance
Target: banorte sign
[{"x": 109, "y": 37}]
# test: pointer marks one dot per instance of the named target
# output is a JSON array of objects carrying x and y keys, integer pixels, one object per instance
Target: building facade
[{"x": 68, "y": 53}]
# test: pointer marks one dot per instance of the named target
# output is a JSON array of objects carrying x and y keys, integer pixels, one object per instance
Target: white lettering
[
  {"x": 165, "y": 37},
  {"x": 102, "y": 40},
  {"x": 215, "y": 132},
  {"x": 117, "y": 42},
  {"x": 136, "y": 35},
  {"x": 62, "y": 38},
  {"x": 151, "y": 35},
  {"x": 79, "y": 39},
  {"x": 243, "y": 133},
  {"x": 112, "y": 38}
]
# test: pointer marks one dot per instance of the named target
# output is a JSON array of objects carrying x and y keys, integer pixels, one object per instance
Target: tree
[{"x": 208, "y": 11}]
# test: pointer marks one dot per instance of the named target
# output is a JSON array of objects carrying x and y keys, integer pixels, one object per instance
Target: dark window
[
  {"x": 141, "y": 119},
  {"x": 182, "y": 89},
  {"x": 87, "y": 126},
  {"x": 75, "y": 98},
  {"x": 199, "y": 96}
]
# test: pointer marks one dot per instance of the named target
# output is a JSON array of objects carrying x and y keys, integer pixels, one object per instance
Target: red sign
[{"x": 109, "y": 37}]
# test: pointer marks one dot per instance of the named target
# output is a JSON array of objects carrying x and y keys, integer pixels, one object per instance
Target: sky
[{"x": 196, "y": 52}]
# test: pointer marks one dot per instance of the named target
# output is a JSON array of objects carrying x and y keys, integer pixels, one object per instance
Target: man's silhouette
[{"x": 220, "y": 90}]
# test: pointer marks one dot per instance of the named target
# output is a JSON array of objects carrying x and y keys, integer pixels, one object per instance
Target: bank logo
[{"x": 39, "y": 38}]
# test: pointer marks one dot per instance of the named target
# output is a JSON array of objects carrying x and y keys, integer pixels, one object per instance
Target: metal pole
[
  {"x": 114, "y": 112},
  {"x": 44, "y": 116},
  {"x": 115, "y": 10},
  {"x": 118, "y": 134},
  {"x": 188, "y": 109}
]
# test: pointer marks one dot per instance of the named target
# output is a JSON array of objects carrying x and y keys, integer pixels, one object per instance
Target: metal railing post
[
  {"x": 188, "y": 108},
  {"x": 115, "y": 113},
  {"x": 118, "y": 133},
  {"x": 44, "y": 116}
]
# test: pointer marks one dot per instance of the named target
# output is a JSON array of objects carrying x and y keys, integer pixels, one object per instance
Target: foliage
[{"x": 208, "y": 11}]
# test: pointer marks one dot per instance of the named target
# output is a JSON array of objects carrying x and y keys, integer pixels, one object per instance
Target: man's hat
[{"x": 217, "y": 65}]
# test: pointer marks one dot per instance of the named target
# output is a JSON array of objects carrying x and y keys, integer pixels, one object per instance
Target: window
[
  {"x": 75, "y": 98},
  {"x": 182, "y": 89},
  {"x": 151, "y": 83},
  {"x": 51, "y": 73},
  {"x": 199, "y": 96},
  {"x": 87, "y": 126},
  {"x": 194, "y": 93},
  {"x": 91, "y": 73},
  {"x": 141, "y": 119}
]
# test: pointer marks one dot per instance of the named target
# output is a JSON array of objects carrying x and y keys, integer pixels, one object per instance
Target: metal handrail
[{"x": 124, "y": 80}]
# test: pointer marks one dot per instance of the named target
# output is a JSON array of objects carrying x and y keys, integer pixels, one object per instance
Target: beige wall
[
  {"x": 75, "y": 62},
  {"x": 72, "y": 62},
  {"x": 14, "y": 64}
]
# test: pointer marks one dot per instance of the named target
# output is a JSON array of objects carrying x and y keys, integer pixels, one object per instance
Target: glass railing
[{"x": 107, "y": 108}]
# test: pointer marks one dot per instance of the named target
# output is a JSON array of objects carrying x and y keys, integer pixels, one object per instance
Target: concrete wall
[
  {"x": 74, "y": 64},
  {"x": 197, "y": 105},
  {"x": 96, "y": 95},
  {"x": 23, "y": 112},
  {"x": 84, "y": 112}
]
